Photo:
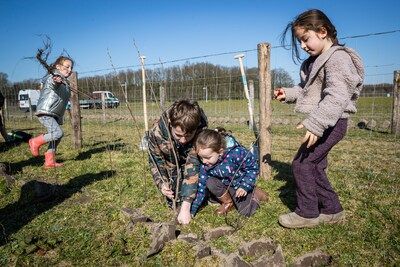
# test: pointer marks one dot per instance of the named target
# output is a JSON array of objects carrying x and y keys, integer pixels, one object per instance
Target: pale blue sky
[{"x": 168, "y": 30}]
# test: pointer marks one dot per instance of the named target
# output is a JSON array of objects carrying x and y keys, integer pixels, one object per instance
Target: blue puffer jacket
[
  {"x": 53, "y": 98},
  {"x": 237, "y": 161}
]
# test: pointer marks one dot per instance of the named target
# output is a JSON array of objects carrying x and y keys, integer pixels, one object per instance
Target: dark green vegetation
[{"x": 83, "y": 224}]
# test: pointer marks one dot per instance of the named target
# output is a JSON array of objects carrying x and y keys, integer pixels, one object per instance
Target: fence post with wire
[
  {"x": 75, "y": 111},
  {"x": 396, "y": 103},
  {"x": 264, "y": 65}
]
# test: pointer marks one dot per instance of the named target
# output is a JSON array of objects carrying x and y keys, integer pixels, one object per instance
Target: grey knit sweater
[{"x": 330, "y": 90}]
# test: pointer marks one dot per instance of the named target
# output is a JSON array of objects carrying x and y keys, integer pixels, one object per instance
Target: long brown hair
[
  {"x": 43, "y": 53},
  {"x": 312, "y": 19}
]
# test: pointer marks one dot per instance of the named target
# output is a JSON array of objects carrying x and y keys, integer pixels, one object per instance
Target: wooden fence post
[
  {"x": 6, "y": 111},
  {"x": 162, "y": 97},
  {"x": 75, "y": 111},
  {"x": 264, "y": 52},
  {"x": 396, "y": 103}
]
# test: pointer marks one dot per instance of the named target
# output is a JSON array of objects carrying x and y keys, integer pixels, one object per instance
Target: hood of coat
[{"x": 321, "y": 60}]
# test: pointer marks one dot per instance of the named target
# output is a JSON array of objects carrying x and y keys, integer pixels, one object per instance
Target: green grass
[{"x": 84, "y": 225}]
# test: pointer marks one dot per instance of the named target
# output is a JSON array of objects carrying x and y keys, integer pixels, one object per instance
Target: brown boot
[
  {"x": 50, "y": 160},
  {"x": 260, "y": 195},
  {"x": 35, "y": 143},
  {"x": 226, "y": 204}
]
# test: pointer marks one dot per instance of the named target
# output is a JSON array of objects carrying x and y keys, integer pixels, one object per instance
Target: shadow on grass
[
  {"x": 88, "y": 154},
  {"x": 5, "y": 146},
  {"x": 18, "y": 166},
  {"x": 38, "y": 197},
  {"x": 287, "y": 192}
]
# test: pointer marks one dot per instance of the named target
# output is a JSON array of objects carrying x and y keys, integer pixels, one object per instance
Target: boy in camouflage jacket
[{"x": 171, "y": 149}]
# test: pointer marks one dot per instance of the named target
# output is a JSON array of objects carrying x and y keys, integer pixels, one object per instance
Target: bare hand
[
  {"x": 57, "y": 79},
  {"x": 184, "y": 216},
  {"x": 240, "y": 193},
  {"x": 279, "y": 94},
  {"x": 166, "y": 191},
  {"x": 310, "y": 137}
]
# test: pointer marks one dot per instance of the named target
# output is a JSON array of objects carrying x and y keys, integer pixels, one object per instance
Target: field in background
[
  {"x": 84, "y": 224},
  {"x": 229, "y": 111}
]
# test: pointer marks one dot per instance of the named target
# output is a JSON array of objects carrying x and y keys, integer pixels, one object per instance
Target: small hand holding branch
[
  {"x": 310, "y": 137},
  {"x": 57, "y": 79},
  {"x": 166, "y": 191}
]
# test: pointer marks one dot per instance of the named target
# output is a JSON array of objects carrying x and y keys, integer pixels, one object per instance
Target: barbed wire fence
[{"x": 217, "y": 88}]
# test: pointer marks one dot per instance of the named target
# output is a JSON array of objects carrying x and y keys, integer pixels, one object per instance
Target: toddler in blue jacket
[{"x": 229, "y": 171}]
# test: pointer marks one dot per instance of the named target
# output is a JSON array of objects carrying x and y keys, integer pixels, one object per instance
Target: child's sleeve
[
  {"x": 156, "y": 159},
  {"x": 292, "y": 93},
  {"x": 201, "y": 191},
  {"x": 249, "y": 167},
  {"x": 191, "y": 176}
]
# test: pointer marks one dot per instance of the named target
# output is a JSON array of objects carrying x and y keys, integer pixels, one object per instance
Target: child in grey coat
[{"x": 331, "y": 81}]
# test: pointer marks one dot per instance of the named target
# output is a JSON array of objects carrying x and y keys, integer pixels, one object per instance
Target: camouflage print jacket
[{"x": 162, "y": 160}]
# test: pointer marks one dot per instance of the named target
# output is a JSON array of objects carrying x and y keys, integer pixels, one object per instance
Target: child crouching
[{"x": 229, "y": 171}]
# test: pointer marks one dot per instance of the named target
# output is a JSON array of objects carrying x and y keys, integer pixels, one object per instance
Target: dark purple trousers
[{"x": 314, "y": 192}]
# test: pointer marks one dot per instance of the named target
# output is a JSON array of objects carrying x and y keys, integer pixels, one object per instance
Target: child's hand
[
  {"x": 166, "y": 191},
  {"x": 240, "y": 193},
  {"x": 184, "y": 214},
  {"x": 279, "y": 94},
  {"x": 312, "y": 138},
  {"x": 57, "y": 79}
]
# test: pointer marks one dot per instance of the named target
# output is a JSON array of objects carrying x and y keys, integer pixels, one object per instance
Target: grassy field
[{"x": 84, "y": 225}]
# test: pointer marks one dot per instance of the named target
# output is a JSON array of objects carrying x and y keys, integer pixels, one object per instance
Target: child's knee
[{"x": 58, "y": 134}]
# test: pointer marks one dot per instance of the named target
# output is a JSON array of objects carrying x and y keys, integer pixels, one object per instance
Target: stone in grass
[
  {"x": 277, "y": 259},
  {"x": 315, "y": 258},
  {"x": 234, "y": 260},
  {"x": 190, "y": 238},
  {"x": 134, "y": 215},
  {"x": 202, "y": 250},
  {"x": 386, "y": 125},
  {"x": 267, "y": 252},
  {"x": 161, "y": 234},
  {"x": 218, "y": 232},
  {"x": 10, "y": 180},
  {"x": 371, "y": 125}
]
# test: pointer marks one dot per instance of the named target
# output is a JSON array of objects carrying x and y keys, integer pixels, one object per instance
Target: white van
[{"x": 25, "y": 95}]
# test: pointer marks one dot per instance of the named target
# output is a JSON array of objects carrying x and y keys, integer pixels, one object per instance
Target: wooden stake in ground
[
  {"x": 146, "y": 125},
  {"x": 265, "y": 109},
  {"x": 75, "y": 111},
  {"x": 246, "y": 90},
  {"x": 396, "y": 103}
]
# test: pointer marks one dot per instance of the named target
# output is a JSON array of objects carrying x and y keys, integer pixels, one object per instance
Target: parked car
[
  {"x": 96, "y": 100},
  {"x": 26, "y": 95}
]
